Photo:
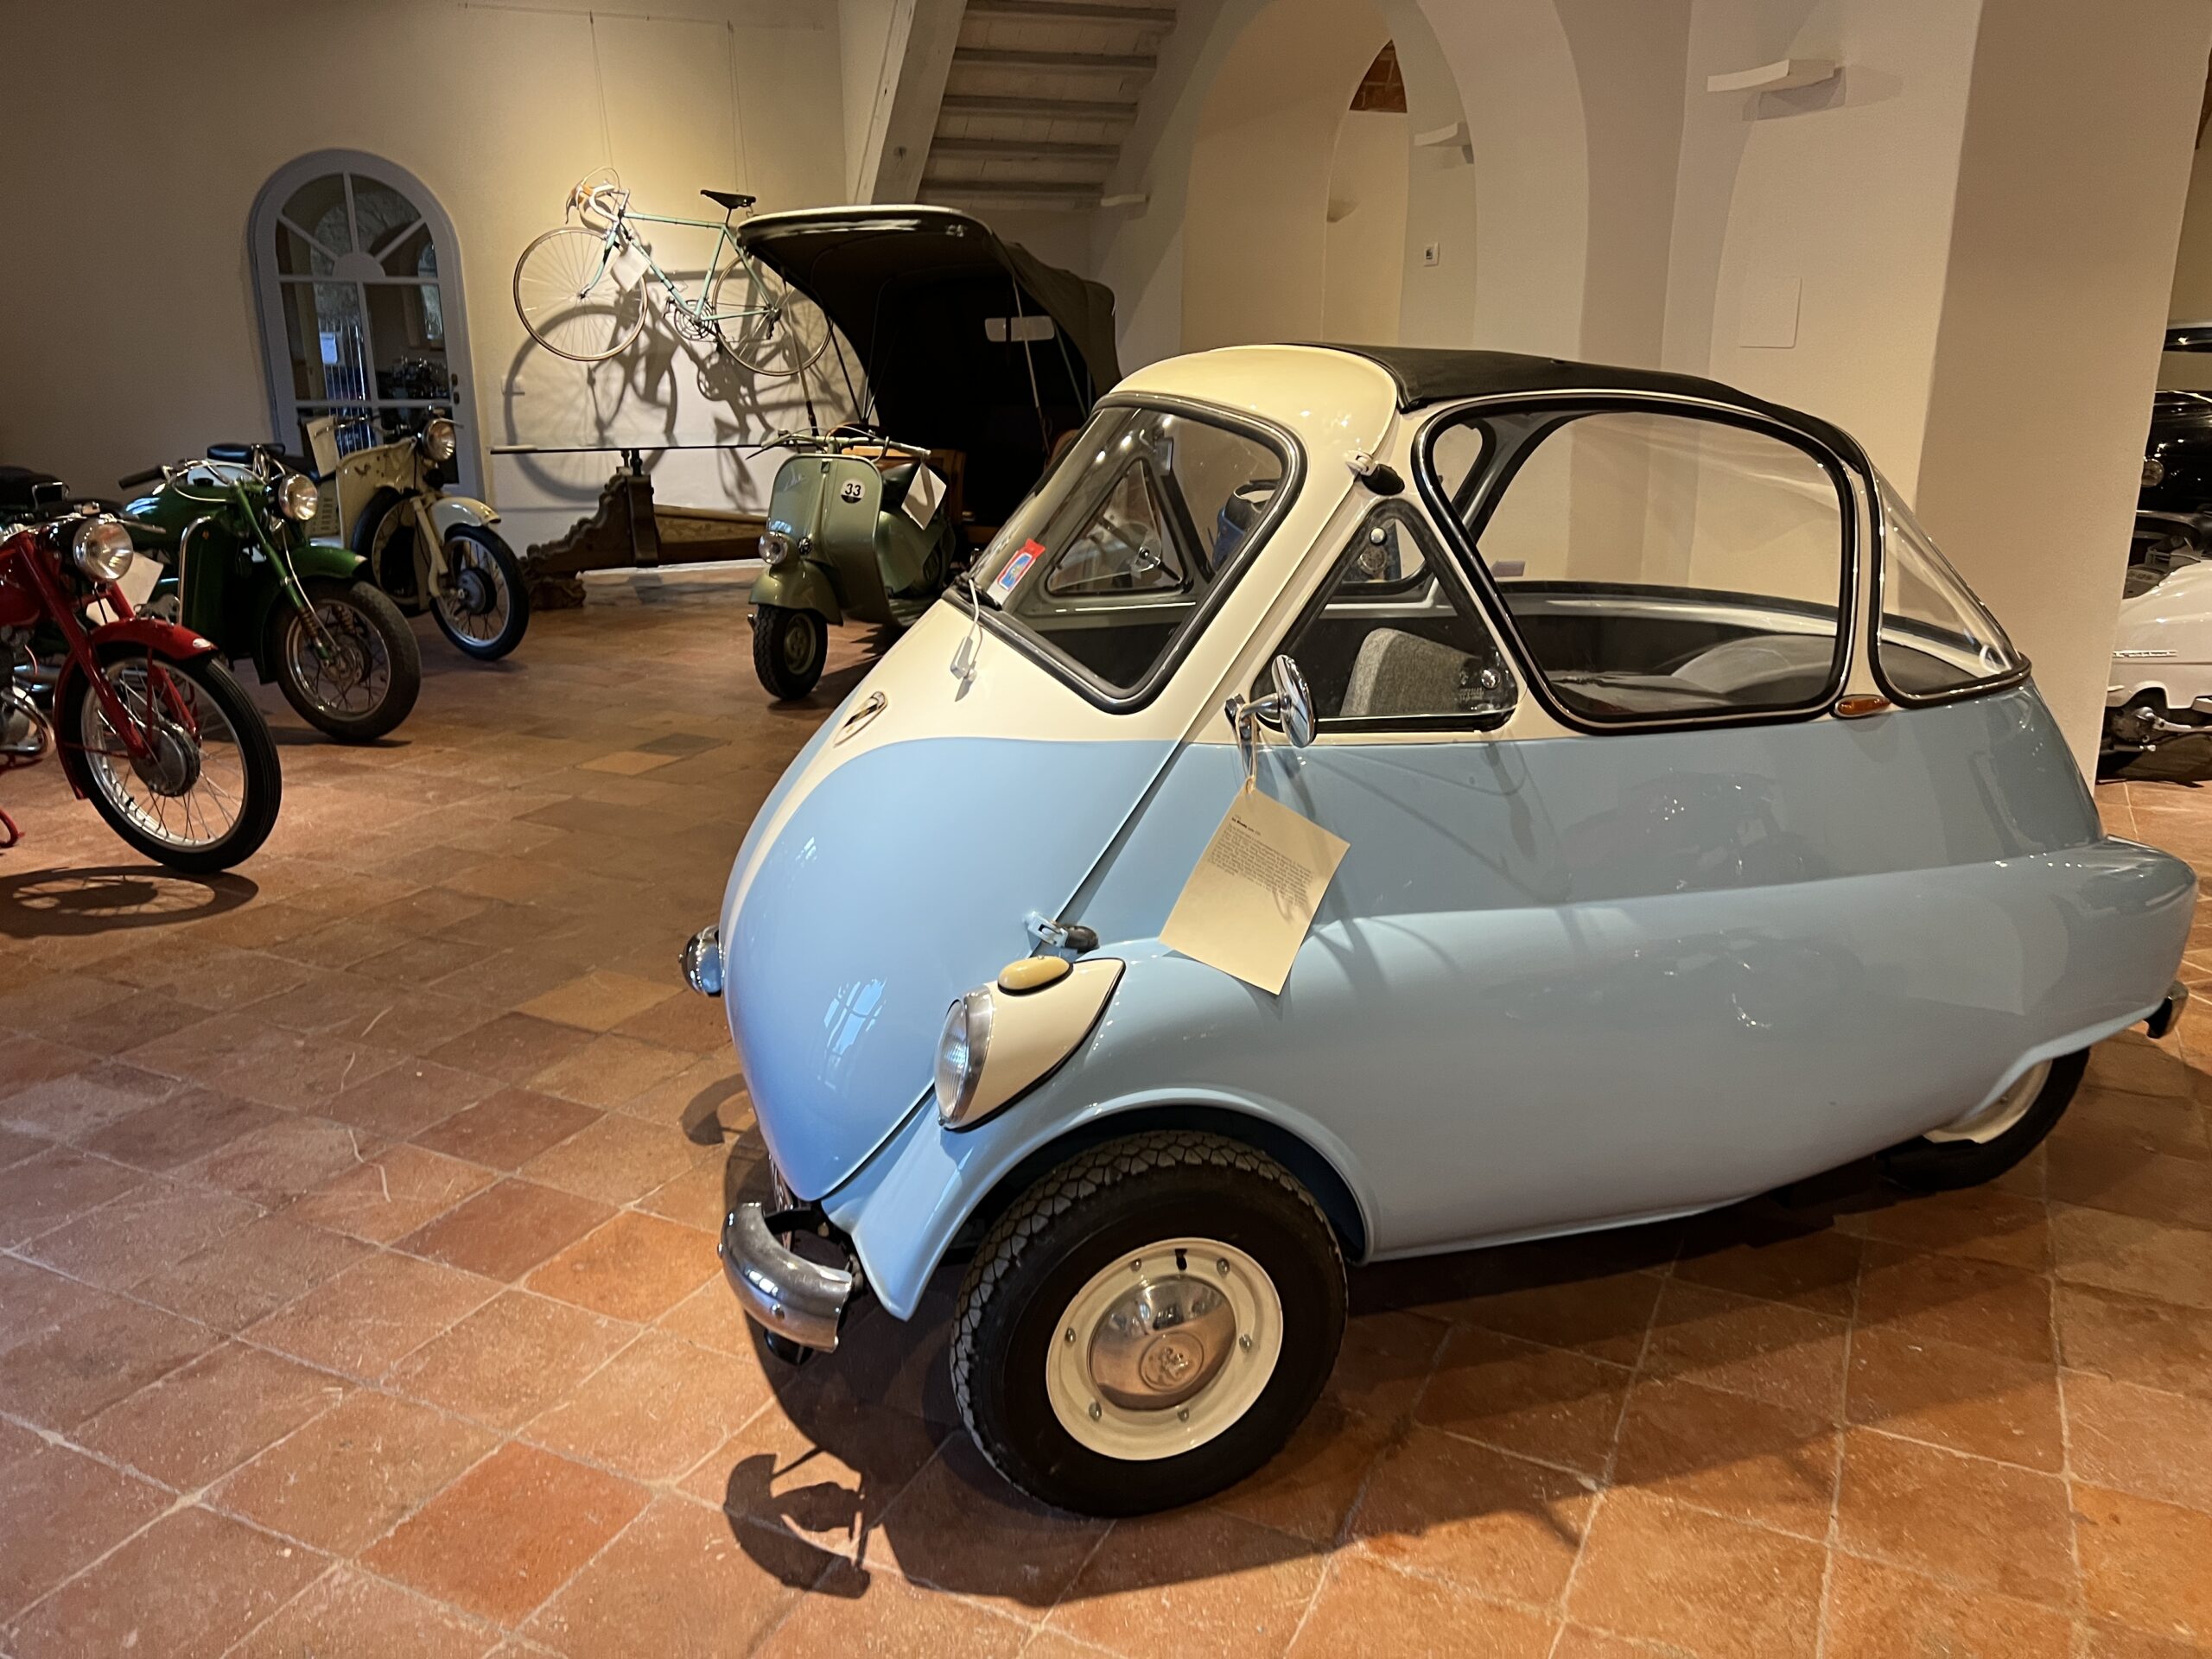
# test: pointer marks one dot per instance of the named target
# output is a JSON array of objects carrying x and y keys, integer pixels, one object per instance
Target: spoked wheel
[
  {"x": 788, "y": 650},
  {"x": 1147, "y": 1325},
  {"x": 204, "y": 794},
  {"x": 1987, "y": 1141},
  {"x": 488, "y": 609},
  {"x": 372, "y": 672},
  {"x": 781, "y": 332},
  {"x": 569, "y": 301}
]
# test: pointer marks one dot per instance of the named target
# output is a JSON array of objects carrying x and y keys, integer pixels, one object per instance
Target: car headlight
[
  {"x": 438, "y": 439},
  {"x": 1002, "y": 1039},
  {"x": 775, "y": 548},
  {"x": 962, "y": 1047},
  {"x": 2154, "y": 472},
  {"x": 297, "y": 497},
  {"x": 102, "y": 549}
]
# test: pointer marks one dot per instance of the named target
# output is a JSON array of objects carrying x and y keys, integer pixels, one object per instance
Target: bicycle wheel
[
  {"x": 772, "y": 328},
  {"x": 571, "y": 305}
]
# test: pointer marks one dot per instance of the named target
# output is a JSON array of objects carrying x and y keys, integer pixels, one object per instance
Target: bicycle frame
[{"x": 618, "y": 235}]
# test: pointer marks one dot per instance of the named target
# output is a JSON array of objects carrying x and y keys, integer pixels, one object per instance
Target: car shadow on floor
[
  {"x": 1488, "y": 1387},
  {"x": 67, "y": 903}
]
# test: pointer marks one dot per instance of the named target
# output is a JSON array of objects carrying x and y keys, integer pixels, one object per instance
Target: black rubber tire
[
  {"x": 376, "y": 608},
  {"x": 1925, "y": 1165},
  {"x": 509, "y": 569},
  {"x": 1119, "y": 1197},
  {"x": 391, "y": 567},
  {"x": 787, "y": 677},
  {"x": 264, "y": 777}
]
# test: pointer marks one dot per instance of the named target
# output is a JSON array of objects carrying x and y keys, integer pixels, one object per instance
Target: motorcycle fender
[
  {"x": 804, "y": 586},
  {"x": 309, "y": 560},
  {"x": 448, "y": 512},
  {"x": 169, "y": 641}
]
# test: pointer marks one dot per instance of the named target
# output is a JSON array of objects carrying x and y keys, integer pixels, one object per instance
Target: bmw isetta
[{"x": 1704, "y": 832}]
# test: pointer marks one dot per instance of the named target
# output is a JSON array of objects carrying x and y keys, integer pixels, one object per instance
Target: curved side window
[
  {"x": 1936, "y": 638},
  {"x": 1109, "y": 568},
  {"x": 1660, "y": 566}
]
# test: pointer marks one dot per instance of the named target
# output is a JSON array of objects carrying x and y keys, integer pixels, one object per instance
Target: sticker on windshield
[{"x": 1016, "y": 568}]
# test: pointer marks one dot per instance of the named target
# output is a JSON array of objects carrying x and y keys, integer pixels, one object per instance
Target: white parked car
[{"x": 2161, "y": 684}]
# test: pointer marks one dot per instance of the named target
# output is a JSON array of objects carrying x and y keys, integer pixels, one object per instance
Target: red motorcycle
[{"x": 149, "y": 724}]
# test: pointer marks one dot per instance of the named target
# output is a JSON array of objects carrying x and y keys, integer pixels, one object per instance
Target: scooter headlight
[
  {"x": 102, "y": 549},
  {"x": 961, "y": 1050},
  {"x": 438, "y": 440},
  {"x": 297, "y": 497},
  {"x": 775, "y": 548}
]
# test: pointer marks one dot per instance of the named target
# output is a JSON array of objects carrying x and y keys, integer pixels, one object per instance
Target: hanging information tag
[
  {"x": 923, "y": 496},
  {"x": 629, "y": 266},
  {"x": 1246, "y": 908}
]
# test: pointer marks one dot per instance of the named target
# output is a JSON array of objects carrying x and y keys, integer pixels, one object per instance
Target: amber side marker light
[{"x": 1860, "y": 705}]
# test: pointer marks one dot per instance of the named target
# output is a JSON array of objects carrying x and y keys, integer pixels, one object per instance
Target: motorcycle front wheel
[
  {"x": 789, "y": 649},
  {"x": 373, "y": 673},
  {"x": 489, "y": 608},
  {"x": 204, "y": 795}
]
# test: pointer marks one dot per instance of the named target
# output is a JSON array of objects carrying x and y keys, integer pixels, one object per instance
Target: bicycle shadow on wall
[
  {"x": 1479, "y": 1402},
  {"x": 604, "y": 403},
  {"x": 105, "y": 899}
]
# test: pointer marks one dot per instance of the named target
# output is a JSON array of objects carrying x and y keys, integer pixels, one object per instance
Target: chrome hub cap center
[
  {"x": 1161, "y": 1342},
  {"x": 171, "y": 765}
]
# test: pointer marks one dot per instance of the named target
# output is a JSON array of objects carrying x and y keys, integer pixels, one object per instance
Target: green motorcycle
[{"x": 241, "y": 571}]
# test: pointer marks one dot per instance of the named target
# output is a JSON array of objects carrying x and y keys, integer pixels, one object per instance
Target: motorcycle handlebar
[{"x": 136, "y": 479}]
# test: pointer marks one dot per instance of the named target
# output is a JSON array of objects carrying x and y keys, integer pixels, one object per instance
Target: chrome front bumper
[
  {"x": 2168, "y": 1013},
  {"x": 784, "y": 1293}
]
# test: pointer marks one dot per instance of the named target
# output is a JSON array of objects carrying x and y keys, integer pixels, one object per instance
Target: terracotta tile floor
[{"x": 358, "y": 1292}]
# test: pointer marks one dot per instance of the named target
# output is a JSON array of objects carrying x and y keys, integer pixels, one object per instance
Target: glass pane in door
[{"x": 322, "y": 328}]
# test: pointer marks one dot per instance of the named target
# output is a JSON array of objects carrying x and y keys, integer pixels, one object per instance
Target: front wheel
[
  {"x": 1988, "y": 1140},
  {"x": 203, "y": 795},
  {"x": 488, "y": 609},
  {"x": 1147, "y": 1325},
  {"x": 570, "y": 299},
  {"x": 369, "y": 671},
  {"x": 789, "y": 648}
]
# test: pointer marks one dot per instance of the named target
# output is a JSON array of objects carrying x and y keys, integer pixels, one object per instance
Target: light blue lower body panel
[{"x": 1478, "y": 1075}]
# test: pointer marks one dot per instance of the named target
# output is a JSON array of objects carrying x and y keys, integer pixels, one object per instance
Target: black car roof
[{"x": 1427, "y": 374}]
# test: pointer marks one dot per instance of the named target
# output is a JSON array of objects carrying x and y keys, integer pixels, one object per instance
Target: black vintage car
[{"x": 2173, "y": 513}]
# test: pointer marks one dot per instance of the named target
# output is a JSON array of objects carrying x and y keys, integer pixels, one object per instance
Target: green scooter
[
  {"x": 856, "y": 527},
  {"x": 241, "y": 571}
]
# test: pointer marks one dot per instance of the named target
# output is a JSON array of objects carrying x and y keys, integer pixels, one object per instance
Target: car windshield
[
  {"x": 1935, "y": 636},
  {"x": 1147, "y": 520}
]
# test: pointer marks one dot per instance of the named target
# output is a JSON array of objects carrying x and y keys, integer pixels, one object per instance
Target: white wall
[
  {"x": 142, "y": 344},
  {"x": 1364, "y": 249}
]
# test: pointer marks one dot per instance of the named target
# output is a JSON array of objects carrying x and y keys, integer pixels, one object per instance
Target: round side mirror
[{"x": 1293, "y": 702}]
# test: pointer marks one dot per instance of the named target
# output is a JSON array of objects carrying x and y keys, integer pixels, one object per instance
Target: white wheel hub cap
[
  {"x": 1164, "y": 1349},
  {"x": 1985, "y": 1124}
]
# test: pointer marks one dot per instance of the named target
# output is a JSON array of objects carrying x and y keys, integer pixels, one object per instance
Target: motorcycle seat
[
  {"x": 728, "y": 198},
  {"x": 19, "y": 486},
  {"x": 895, "y": 480}
]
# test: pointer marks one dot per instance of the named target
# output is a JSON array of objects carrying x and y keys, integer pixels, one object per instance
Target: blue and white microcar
[{"x": 1706, "y": 832}]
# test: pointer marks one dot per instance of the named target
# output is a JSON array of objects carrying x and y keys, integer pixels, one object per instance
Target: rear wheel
[
  {"x": 788, "y": 650},
  {"x": 1990, "y": 1139},
  {"x": 1147, "y": 1325},
  {"x": 372, "y": 672},
  {"x": 203, "y": 795},
  {"x": 485, "y": 614}
]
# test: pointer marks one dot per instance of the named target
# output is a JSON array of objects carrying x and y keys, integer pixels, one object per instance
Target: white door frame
[{"x": 277, "y": 358}]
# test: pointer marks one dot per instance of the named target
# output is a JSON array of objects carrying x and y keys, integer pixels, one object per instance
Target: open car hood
[{"x": 919, "y": 293}]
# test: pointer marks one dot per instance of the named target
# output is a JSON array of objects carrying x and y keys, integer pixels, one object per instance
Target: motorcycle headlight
[
  {"x": 438, "y": 439},
  {"x": 775, "y": 548},
  {"x": 961, "y": 1049},
  {"x": 102, "y": 549},
  {"x": 297, "y": 497}
]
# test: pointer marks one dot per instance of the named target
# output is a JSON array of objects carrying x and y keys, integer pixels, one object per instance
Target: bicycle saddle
[{"x": 728, "y": 198}]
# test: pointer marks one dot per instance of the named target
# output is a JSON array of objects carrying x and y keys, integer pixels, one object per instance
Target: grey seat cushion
[{"x": 1401, "y": 673}]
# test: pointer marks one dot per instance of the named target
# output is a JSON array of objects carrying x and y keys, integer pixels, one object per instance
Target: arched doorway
[
  {"x": 1362, "y": 271},
  {"x": 357, "y": 273}
]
